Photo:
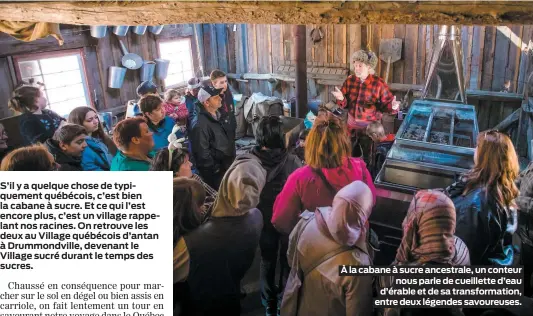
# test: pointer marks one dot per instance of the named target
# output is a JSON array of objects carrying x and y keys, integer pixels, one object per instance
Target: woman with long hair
[
  {"x": 100, "y": 149},
  {"x": 176, "y": 159},
  {"x": 37, "y": 124},
  {"x": 329, "y": 168},
  {"x": 485, "y": 201},
  {"x": 188, "y": 197}
]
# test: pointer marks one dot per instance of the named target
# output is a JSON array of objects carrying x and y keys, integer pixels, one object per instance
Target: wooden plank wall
[
  {"x": 491, "y": 56},
  {"x": 99, "y": 55}
]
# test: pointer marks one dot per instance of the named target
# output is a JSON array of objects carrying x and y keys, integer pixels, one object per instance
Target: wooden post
[{"x": 301, "y": 70}]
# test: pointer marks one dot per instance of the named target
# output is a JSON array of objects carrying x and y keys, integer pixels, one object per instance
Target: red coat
[
  {"x": 178, "y": 112},
  {"x": 304, "y": 190}
]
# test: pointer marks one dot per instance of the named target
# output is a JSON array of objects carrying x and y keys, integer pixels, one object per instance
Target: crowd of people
[{"x": 306, "y": 205}]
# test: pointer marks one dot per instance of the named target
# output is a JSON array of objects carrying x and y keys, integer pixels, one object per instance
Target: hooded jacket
[
  {"x": 525, "y": 206},
  {"x": 38, "y": 128},
  {"x": 66, "y": 162},
  {"x": 212, "y": 145},
  {"x": 222, "y": 249},
  {"x": 279, "y": 165},
  {"x": 323, "y": 291},
  {"x": 161, "y": 132},
  {"x": 483, "y": 226},
  {"x": 96, "y": 156},
  {"x": 305, "y": 190}
]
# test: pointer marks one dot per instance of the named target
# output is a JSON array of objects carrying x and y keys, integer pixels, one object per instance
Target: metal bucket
[
  {"x": 140, "y": 29},
  {"x": 156, "y": 29},
  {"x": 98, "y": 31},
  {"x": 121, "y": 30},
  {"x": 161, "y": 69},
  {"x": 147, "y": 71},
  {"x": 108, "y": 121},
  {"x": 116, "y": 77}
]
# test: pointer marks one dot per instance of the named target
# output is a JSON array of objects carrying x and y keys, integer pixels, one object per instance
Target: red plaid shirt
[{"x": 366, "y": 100}]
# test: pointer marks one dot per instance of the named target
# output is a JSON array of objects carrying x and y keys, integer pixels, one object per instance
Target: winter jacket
[
  {"x": 228, "y": 110},
  {"x": 96, "y": 156},
  {"x": 66, "y": 162},
  {"x": 305, "y": 190},
  {"x": 212, "y": 146},
  {"x": 525, "y": 206},
  {"x": 483, "y": 226},
  {"x": 161, "y": 132},
  {"x": 279, "y": 164},
  {"x": 177, "y": 112},
  {"x": 323, "y": 291},
  {"x": 38, "y": 128},
  {"x": 122, "y": 162},
  {"x": 222, "y": 249}
]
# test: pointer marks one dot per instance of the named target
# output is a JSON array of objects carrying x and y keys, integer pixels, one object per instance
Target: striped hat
[{"x": 428, "y": 230}]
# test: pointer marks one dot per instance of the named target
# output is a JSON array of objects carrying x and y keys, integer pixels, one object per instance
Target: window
[
  {"x": 179, "y": 53},
  {"x": 63, "y": 77}
]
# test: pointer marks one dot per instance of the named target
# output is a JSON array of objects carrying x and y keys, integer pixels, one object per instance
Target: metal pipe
[
  {"x": 199, "y": 38},
  {"x": 430, "y": 124},
  {"x": 452, "y": 127},
  {"x": 301, "y": 70},
  {"x": 439, "y": 87}
]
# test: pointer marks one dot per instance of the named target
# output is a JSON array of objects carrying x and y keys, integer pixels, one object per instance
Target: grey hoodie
[{"x": 240, "y": 188}]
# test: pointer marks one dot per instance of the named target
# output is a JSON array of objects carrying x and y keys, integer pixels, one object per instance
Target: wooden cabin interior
[
  {"x": 258, "y": 46},
  {"x": 261, "y": 57}
]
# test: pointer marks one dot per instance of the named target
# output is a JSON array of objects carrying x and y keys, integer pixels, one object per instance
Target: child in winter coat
[{"x": 175, "y": 108}]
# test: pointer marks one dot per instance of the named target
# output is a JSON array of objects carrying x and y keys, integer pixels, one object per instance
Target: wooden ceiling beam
[{"x": 270, "y": 12}]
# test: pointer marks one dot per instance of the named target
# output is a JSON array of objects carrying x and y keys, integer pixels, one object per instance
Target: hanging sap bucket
[
  {"x": 99, "y": 31},
  {"x": 161, "y": 69},
  {"x": 140, "y": 29},
  {"x": 147, "y": 71},
  {"x": 156, "y": 29},
  {"x": 116, "y": 77},
  {"x": 121, "y": 30}
]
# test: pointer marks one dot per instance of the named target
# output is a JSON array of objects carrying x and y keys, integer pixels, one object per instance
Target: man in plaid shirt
[{"x": 365, "y": 95}]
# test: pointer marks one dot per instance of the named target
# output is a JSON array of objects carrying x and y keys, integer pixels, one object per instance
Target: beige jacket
[{"x": 324, "y": 292}]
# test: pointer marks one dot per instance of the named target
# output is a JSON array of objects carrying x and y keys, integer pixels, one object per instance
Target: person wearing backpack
[
  {"x": 279, "y": 164},
  {"x": 329, "y": 168},
  {"x": 323, "y": 240}
]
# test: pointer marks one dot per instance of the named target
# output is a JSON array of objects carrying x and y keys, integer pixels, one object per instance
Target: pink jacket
[{"x": 304, "y": 190}]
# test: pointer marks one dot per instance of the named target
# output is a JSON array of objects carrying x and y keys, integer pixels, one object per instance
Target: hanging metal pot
[
  {"x": 116, "y": 77},
  {"x": 156, "y": 29},
  {"x": 99, "y": 31},
  {"x": 121, "y": 30},
  {"x": 161, "y": 70},
  {"x": 129, "y": 60},
  {"x": 140, "y": 29},
  {"x": 147, "y": 71}
]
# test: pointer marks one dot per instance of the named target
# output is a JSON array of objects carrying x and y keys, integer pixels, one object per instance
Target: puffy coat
[{"x": 96, "y": 156}]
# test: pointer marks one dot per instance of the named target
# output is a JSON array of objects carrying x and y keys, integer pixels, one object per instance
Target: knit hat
[{"x": 367, "y": 57}]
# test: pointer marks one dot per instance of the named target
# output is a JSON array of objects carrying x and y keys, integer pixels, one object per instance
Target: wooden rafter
[{"x": 270, "y": 12}]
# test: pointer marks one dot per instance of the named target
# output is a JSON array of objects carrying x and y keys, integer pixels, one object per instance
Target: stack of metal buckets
[{"x": 158, "y": 67}]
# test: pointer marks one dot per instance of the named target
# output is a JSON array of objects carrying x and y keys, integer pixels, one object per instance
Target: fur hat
[{"x": 367, "y": 57}]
